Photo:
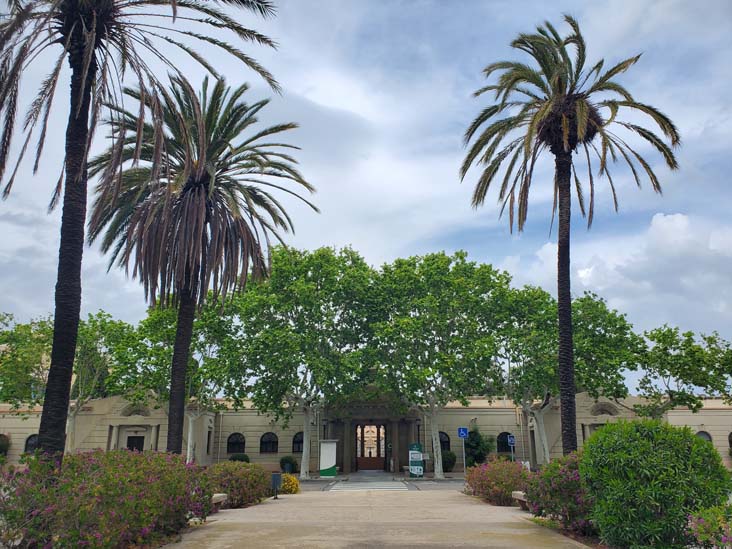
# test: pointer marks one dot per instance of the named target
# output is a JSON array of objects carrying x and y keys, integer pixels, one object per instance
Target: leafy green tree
[
  {"x": 605, "y": 348},
  {"x": 679, "y": 369},
  {"x": 204, "y": 220},
  {"x": 560, "y": 106},
  {"x": 104, "y": 42},
  {"x": 301, "y": 335},
  {"x": 478, "y": 446},
  {"x": 25, "y": 349},
  {"x": 437, "y": 342}
]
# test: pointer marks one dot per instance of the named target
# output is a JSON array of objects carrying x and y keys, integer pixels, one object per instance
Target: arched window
[
  {"x": 704, "y": 435},
  {"x": 297, "y": 443},
  {"x": 444, "y": 442},
  {"x": 502, "y": 443},
  {"x": 236, "y": 444},
  {"x": 268, "y": 443},
  {"x": 31, "y": 443},
  {"x": 729, "y": 439}
]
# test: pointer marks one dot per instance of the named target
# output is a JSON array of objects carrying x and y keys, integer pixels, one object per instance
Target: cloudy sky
[{"x": 382, "y": 91}]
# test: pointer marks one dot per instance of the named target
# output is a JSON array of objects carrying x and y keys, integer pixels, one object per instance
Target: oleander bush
[
  {"x": 100, "y": 499},
  {"x": 244, "y": 483},
  {"x": 291, "y": 461},
  {"x": 496, "y": 479},
  {"x": 712, "y": 528},
  {"x": 558, "y": 493},
  {"x": 239, "y": 457},
  {"x": 646, "y": 478},
  {"x": 448, "y": 460},
  {"x": 290, "y": 484}
]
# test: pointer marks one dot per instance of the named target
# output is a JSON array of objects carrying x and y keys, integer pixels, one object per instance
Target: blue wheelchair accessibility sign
[{"x": 462, "y": 432}]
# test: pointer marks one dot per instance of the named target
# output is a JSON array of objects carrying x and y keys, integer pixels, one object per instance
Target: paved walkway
[{"x": 370, "y": 518}]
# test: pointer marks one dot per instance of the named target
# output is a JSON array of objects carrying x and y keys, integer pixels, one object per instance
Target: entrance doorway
[{"x": 371, "y": 447}]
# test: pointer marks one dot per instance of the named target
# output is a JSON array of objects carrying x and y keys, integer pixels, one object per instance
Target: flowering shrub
[
  {"x": 645, "y": 478},
  {"x": 496, "y": 479},
  {"x": 100, "y": 499},
  {"x": 244, "y": 483},
  {"x": 557, "y": 492},
  {"x": 290, "y": 484},
  {"x": 712, "y": 527}
]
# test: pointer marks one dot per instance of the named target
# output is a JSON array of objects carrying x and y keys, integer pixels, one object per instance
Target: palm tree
[
  {"x": 560, "y": 106},
  {"x": 205, "y": 218},
  {"x": 103, "y": 41}
]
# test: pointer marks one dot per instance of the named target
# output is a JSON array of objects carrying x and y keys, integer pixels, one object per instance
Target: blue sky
[{"x": 382, "y": 91}]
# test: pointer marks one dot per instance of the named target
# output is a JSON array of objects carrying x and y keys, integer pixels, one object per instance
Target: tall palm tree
[
  {"x": 104, "y": 41},
  {"x": 204, "y": 220},
  {"x": 556, "y": 104}
]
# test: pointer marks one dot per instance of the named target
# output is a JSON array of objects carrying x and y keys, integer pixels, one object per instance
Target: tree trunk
[
  {"x": 305, "y": 460},
  {"x": 51, "y": 434},
  {"x": 178, "y": 370},
  {"x": 538, "y": 416},
  {"x": 436, "y": 448},
  {"x": 190, "y": 446},
  {"x": 563, "y": 171}
]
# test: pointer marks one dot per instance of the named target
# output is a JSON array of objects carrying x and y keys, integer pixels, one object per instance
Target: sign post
[
  {"x": 416, "y": 465},
  {"x": 463, "y": 434},
  {"x": 512, "y": 444}
]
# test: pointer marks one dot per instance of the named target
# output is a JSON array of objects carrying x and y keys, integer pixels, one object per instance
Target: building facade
[{"x": 369, "y": 435}]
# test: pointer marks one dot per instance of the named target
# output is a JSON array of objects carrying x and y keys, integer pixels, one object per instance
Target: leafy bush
[
  {"x": 712, "y": 527},
  {"x": 244, "y": 483},
  {"x": 239, "y": 457},
  {"x": 4, "y": 445},
  {"x": 646, "y": 477},
  {"x": 290, "y": 484},
  {"x": 496, "y": 479},
  {"x": 478, "y": 446},
  {"x": 291, "y": 461},
  {"x": 557, "y": 492},
  {"x": 448, "y": 460},
  {"x": 100, "y": 499}
]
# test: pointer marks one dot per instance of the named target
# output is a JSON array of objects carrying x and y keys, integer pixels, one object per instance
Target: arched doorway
[{"x": 371, "y": 447}]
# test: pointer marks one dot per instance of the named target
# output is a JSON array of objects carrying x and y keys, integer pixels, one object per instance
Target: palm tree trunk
[
  {"x": 563, "y": 169},
  {"x": 178, "y": 370},
  {"x": 52, "y": 431}
]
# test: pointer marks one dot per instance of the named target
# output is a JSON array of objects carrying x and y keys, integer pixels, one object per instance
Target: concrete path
[{"x": 343, "y": 519}]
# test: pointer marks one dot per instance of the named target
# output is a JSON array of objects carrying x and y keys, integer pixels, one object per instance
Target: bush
[
  {"x": 496, "y": 479},
  {"x": 290, "y": 484},
  {"x": 291, "y": 461},
  {"x": 478, "y": 446},
  {"x": 448, "y": 460},
  {"x": 100, "y": 499},
  {"x": 244, "y": 483},
  {"x": 712, "y": 527},
  {"x": 239, "y": 457},
  {"x": 646, "y": 477},
  {"x": 558, "y": 493}
]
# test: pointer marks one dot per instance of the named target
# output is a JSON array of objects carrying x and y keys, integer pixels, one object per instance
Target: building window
[
  {"x": 235, "y": 444},
  {"x": 208, "y": 442},
  {"x": 31, "y": 443},
  {"x": 297, "y": 443},
  {"x": 729, "y": 439},
  {"x": 444, "y": 442},
  {"x": 268, "y": 443},
  {"x": 136, "y": 443},
  {"x": 704, "y": 435},
  {"x": 502, "y": 443}
]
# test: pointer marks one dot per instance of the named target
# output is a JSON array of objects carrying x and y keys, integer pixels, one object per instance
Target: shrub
[
  {"x": 288, "y": 460},
  {"x": 478, "y": 446},
  {"x": 646, "y": 477},
  {"x": 290, "y": 484},
  {"x": 244, "y": 483},
  {"x": 712, "y": 527},
  {"x": 100, "y": 499},
  {"x": 558, "y": 493},
  {"x": 239, "y": 457},
  {"x": 496, "y": 479},
  {"x": 448, "y": 460}
]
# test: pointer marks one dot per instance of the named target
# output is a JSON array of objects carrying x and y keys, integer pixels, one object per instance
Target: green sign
[{"x": 416, "y": 461}]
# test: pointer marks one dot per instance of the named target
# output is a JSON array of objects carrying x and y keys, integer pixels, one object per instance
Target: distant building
[{"x": 370, "y": 435}]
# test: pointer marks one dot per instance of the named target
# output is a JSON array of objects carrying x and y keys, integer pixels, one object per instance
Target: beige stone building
[{"x": 370, "y": 436}]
